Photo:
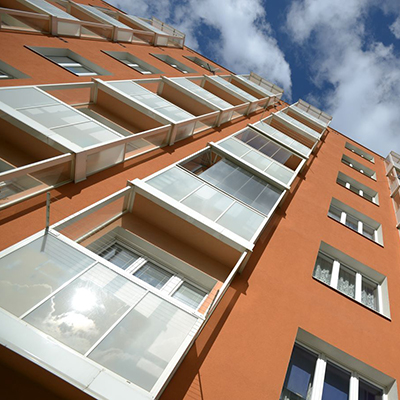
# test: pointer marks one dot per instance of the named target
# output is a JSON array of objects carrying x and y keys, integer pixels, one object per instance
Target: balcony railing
[{"x": 18, "y": 184}]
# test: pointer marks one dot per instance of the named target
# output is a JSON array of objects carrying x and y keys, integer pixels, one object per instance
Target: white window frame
[
  {"x": 346, "y": 213},
  {"x": 336, "y": 266},
  {"x": 319, "y": 376},
  {"x": 173, "y": 283}
]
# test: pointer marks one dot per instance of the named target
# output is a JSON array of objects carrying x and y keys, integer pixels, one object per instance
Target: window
[
  {"x": 70, "y": 61},
  {"x": 9, "y": 72},
  {"x": 310, "y": 372},
  {"x": 174, "y": 63},
  {"x": 357, "y": 188},
  {"x": 152, "y": 273},
  {"x": 131, "y": 61},
  {"x": 346, "y": 280},
  {"x": 352, "y": 278},
  {"x": 356, "y": 221},
  {"x": 359, "y": 152},
  {"x": 359, "y": 167},
  {"x": 204, "y": 64}
]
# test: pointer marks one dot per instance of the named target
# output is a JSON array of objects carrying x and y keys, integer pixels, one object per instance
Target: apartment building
[{"x": 172, "y": 230}]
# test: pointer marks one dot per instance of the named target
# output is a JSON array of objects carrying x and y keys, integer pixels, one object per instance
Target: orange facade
[{"x": 243, "y": 350}]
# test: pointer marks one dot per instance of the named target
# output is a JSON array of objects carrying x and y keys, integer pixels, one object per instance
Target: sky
[{"x": 342, "y": 56}]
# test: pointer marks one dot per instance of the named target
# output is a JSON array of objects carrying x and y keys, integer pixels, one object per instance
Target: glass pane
[
  {"x": 368, "y": 231},
  {"x": 234, "y": 146},
  {"x": 85, "y": 309},
  {"x": 141, "y": 346},
  {"x": 247, "y": 135},
  {"x": 300, "y": 374},
  {"x": 241, "y": 220},
  {"x": 80, "y": 70},
  {"x": 323, "y": 268},
  {"x": 279, "y": 172},
  {"x": 34, "y": 271},
  {"x": 208, "y": 202},
  {"x": 153, "y": 275},
  {"x": 25, "y": 97},
  {"x": 62, "y": 59},
  {"x": 336, "y": 384},
  {"x": 175, "y": 183},
  {"x": 119, "y": 255},
  {"x": 189, "y": 295},
  {"x": 352, "y": 222},
  {"x": 258, "y": 160},
  {"x": 366, "y": 391},
  {"x": 335, "y": 213},
  {"x": 347, "y": 281},
  {"x": 52, "y": 116},
  {"x": 87, "y": 134},
  {"x": 128, "y": 87},
  {"x": 369, "y": 293}
]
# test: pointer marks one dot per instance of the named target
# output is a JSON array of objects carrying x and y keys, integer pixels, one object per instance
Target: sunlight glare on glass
[{"x": 83, "y": 299}]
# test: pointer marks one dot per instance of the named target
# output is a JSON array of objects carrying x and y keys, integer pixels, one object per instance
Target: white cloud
[
  {"x": 364, "y": 77},
  {"x": 395, "y": 28},
  {"x": 245, "y": 43}
]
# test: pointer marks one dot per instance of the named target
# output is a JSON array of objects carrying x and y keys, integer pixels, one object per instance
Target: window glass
[
  {"x": 84, "y": 310},
  {"x": 336, "y": 383},
  {"x": 369, "y": 293},
  {"x": 368, "y": 231},
  {"x": 79, "y": 70},
  {"x": 141, "y": 346},
  {"x": 153, "y": 275},
  {"x": 334, "y": 213},
  {"x": 119, "y": 255},
  {"x": 34, "y": 271},
  {"x": 323, "y": 268},
  {"x": 366, "y": 391},
  {"x": 257, "y": 159},
  {"x": 235, "y": 147},
  {"x": 299, "y": 376},
  {"x": 189, "y": 295},
  {"x": 347, "y": 281},
  {"x": 352, "y": 222}
]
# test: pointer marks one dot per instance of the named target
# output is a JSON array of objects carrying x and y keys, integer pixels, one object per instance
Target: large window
[
  {"x": 310, "y": 372},
  {"x": 152, "y": 273},
  {"x": 356, "y": 221},
  {"x": 357, "y": 188},
  {"x": 70, "y": 61},
  {"x": 348, "y": 281}
]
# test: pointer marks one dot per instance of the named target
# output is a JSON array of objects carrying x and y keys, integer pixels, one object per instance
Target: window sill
[
  {"x": 353, "y": 300},
  {"x": 365, "y": 237}
]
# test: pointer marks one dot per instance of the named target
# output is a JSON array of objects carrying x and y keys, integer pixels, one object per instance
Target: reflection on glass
[
  {"x": 34, "y": 271},
  {"x": 336, "y": 383},
  {"x": 85, "y": 309},
  {"x": 141, "y": 346},
  {"x": 299, "y": 376},
  {"x": 189, "y": 295},
  {"x": 366, "y": 391},
  {"x": 119, "y": 255}
]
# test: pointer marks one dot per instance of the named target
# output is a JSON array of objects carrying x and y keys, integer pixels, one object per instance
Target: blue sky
[{"x": 342, "y": 56}]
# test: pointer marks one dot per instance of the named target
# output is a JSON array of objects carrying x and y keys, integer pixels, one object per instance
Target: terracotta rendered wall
[{"x": 244, "y": 351}]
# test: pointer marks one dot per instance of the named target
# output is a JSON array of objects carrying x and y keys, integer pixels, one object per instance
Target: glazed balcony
[{"x": 113, "y": 269}]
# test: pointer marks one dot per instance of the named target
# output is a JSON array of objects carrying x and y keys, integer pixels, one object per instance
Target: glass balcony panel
[
  {"x": 257, "y": 160},
  {"x": 52, "y": 116},
  {"x": 34, "y": 271},
  {"x": 241, "y": 220},
  {"x": 184, "y": 131},
  {"x": 25, "y": 97},
  {"x": 152, "y": 100},
  {"x": 280, "y": 173},
  {"x": 87, "y": 134},
  {"x": 103, "y": 159},
  {"x": 175, "y": 183},
  {"x": 129, "y": 88},
  {"x": 141, "y": 346},
  {"x": 234, "y": 146},
  {"x": 267, "y": 199},
  {"x": 208, "y": 202},
  {"x": 84, "y": 310},
  {"x": 176, "y": 114}
]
